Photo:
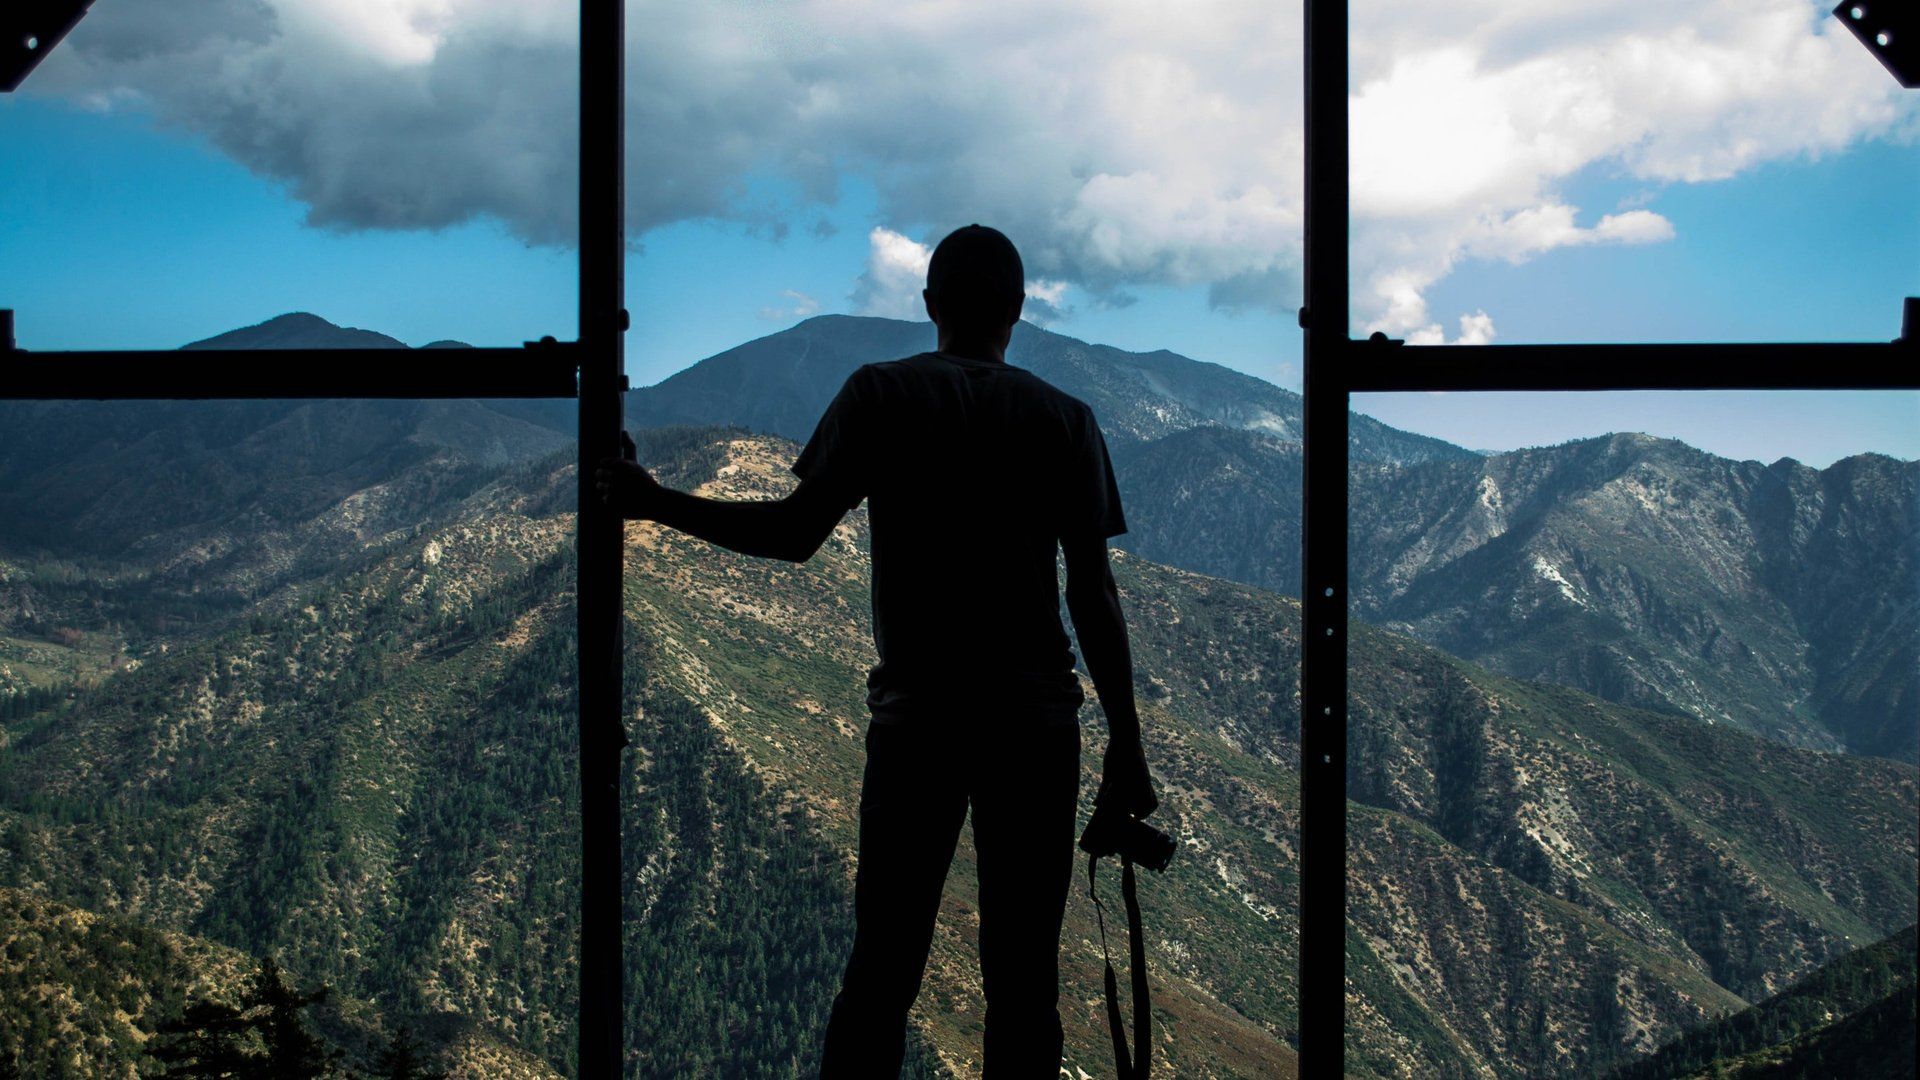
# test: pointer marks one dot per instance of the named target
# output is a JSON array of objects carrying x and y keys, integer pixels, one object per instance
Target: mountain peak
[
  {"x": 300, "y": 320},
  {"x": 298, "y": 330},
  {"x": 780, "y": 383}
]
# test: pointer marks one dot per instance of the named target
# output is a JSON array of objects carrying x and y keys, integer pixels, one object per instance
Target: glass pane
[
  {"x": 404, "y": 173},
  {"x": 1145, "y": 165},
  {"x": 1616, "y": 171},
  {"x": 1632, "y": 737},
  {"x": 289, "y": 681}
]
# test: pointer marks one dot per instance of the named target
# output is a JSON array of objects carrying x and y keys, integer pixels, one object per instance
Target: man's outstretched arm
[
  {"x": 1093, "y": 601},
  {"x": 792, "y": 528}
]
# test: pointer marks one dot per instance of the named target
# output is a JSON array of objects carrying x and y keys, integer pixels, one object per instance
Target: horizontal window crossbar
[
  {"x": 543, "y": 370},
  {"x": 1369, "y": 367}
]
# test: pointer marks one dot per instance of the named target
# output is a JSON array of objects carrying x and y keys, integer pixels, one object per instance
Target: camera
[{"x": 1112, "y": 832}]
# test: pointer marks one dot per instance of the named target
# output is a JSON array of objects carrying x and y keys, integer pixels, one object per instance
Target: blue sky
[{"x": 132, "y": 217}]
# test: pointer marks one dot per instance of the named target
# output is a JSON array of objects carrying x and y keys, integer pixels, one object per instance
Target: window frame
[
  {"x": 591, "y": 369},
  {"x": 1337, "y": 366}
]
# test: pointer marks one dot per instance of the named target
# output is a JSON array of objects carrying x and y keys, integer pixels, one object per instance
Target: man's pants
[{"x": 1023, "y": 783}]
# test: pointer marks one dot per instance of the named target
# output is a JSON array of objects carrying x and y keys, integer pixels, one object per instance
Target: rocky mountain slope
[
  {"x": 1216, "y": 501},
  {"x": 368, "y": 769},
  {"x": 1777, "y": 598}
]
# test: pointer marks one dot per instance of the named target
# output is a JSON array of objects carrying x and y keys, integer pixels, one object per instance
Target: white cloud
[
  {"x": 1475, "y": 329},
  {"x": 1526, "y": 233},
  {"x": 1119, "y": 144},
  {"x": 1633, "y": 227},
  {"x": 896, "y": 272},
  {"x": 398, "y": 32},
  {"x": 1047, "y": 292},
  {"x": 1046, "y": 302},
  {"x": 1468, "y": 119}
]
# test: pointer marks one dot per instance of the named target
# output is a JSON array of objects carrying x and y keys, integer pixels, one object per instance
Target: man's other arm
[
  {"x": 792, "y": 528},
  {"x": 1093, "y": 601}
]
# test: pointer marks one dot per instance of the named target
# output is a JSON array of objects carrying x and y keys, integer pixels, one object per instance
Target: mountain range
[
  {"x": 1778, "y": 598},
  {"x": 292, "y": 678}
]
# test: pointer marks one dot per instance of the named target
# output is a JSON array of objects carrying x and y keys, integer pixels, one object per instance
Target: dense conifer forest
[{"x": 1853, "y": 1016}]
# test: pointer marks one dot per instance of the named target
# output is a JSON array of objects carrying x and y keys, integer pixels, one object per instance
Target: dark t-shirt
[{"x": 972, "y": 472}]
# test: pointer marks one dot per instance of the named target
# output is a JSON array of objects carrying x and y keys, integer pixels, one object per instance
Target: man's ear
[{"x": 933, "y": 310}]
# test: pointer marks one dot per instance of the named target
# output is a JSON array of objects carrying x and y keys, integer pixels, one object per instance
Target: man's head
[{"x": 975, "y": 285}]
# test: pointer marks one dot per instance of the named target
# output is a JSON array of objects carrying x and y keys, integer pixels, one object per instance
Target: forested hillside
[{"x": 338, "y": 729}]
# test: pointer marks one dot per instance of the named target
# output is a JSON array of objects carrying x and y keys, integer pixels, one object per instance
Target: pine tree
[
  {"x": 293, "y": 1052},
  {"x": 207, "y": 1040},
  {"x": 401, "y": 1060},
  {"x": 265, "y": 1038}
]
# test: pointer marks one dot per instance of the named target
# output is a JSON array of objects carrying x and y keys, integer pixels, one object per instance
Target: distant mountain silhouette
[
  {"x": 170, "y": 477},
  {"x": 300, "y": 329},
  {"x": 779, "y": 384}
]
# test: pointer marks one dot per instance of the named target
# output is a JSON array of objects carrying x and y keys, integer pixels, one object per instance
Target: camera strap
[{"x": 1134, "y": 1066}]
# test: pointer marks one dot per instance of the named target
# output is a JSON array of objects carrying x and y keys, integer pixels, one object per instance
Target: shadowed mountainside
[{"x": 1852, "y": 1016}]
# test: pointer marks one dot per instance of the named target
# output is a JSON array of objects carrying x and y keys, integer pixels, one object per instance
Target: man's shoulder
[
  {"x": 891, "y": 367},
  {"x": 889, "y": 371},
  {"x": 880, "y": 380},
  {"x": 909, "y": 369}
]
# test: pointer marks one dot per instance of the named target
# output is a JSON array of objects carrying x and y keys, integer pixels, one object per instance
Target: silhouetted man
[{"x": 975, "y": 475}]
